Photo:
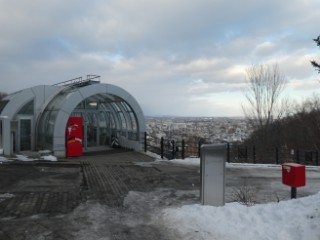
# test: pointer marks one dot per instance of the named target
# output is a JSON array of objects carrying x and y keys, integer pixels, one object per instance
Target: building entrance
[
  {"x": 25, "y": 131},
  {"x": 96, "y": 128}
]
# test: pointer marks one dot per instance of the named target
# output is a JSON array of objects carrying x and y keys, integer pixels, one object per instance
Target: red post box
[
  {"x": 293, "y": 175},
  {"x": 74, "y": 136}
]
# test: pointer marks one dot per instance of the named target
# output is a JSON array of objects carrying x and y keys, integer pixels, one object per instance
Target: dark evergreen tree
[
  {"x": 2, "y": 95},
  {"x": 315, "y": 64}
]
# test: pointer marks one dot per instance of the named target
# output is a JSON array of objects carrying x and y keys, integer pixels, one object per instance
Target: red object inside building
[
  {"x": 293, "y": 175},
  {"x": 74, "y": 137}
]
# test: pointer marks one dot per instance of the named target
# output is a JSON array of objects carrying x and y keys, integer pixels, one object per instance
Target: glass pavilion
[{"x": 36, "y": 118}]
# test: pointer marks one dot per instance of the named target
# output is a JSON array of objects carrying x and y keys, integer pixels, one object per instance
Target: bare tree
[
  {"x": 263, "y": 94},
  {"x": 315, "y": 64}
]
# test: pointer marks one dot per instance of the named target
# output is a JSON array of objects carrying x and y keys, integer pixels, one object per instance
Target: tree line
[{"x": 276, "y": 121}]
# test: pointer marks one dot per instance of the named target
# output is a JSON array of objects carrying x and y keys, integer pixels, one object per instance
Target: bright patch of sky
[{"x": 167, "y": 54}]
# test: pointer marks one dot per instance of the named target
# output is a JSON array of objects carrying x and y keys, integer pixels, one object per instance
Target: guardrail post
[
  {"x": 161, "y": 147},
  {"x": 183, "y": 147},
  {"x": 228, "y": 152},
  {"x": 173, "y": 150},
  {"x": 254, "y": 154},
  {"x": 145, "y": 141},
  {"x": 199, "y": 148},
  {"x": 277, "y": 155}
]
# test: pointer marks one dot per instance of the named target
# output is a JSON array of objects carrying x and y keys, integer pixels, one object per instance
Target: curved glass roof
[
  {"x": 107, "y": 110},
  {"x": 122, "y": 119}
]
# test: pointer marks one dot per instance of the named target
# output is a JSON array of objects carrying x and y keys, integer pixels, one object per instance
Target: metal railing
[
  {"x": 79, "y": 81},
  {"x": 236, "y": 152}
]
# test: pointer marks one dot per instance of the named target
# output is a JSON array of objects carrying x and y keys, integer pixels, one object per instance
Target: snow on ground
[
  {"x": 297, "y": 219},
  {"x": 192, "y": 161},
  {"x": 146, "y": 214},
  {"x": 24, "y": 158},
  {"x": 5, "y": 196},
  {"x": 153, "y": 155},
  {"x": 4, "y": 159},
  {"x": 256, "y": 165},
  {"x": 187, "y": 161},
  {"x": 49, "y": 158}
]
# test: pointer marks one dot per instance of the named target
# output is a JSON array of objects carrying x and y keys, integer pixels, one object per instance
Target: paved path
[{"x": 50, "y": 188}]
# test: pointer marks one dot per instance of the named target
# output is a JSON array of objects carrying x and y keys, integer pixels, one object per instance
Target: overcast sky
[{"x": 176, "y": 57}]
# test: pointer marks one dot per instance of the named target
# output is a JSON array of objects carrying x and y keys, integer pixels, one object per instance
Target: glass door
[
  {"x": 25, "y": 134},
  {"x": 92, "y": 128},
  {"x": 104, "y": 129},
  {"x": 96, "y": 127},
  {"x": 1, "y": 146}
]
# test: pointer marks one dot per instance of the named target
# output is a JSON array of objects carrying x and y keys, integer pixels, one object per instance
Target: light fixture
[{"x": 93, "y": 104}]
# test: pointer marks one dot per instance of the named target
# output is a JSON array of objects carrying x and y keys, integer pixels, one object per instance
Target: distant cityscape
[{"x": 195, "y": 129}]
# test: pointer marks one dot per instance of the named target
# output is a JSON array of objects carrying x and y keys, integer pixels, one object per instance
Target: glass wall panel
[
  {"x": 92, "y": 129},
  {"x": 116, "y": 107},
  {"x": 3, "y": 103},
  {"x": 104, "y": 129},
  {"x": 28, "y": 108},
  {"x": 123, "y": 120},
  {"x": 81, "y": 105},
  {"x": 1, "y": 146},
  {"x": 49, "y": 126},
  {"x": 133, "y": 121},
  {"x": 126, "y": 106},
  {"x": 112, "y": 122},
  {"x": 25, "y": 134}
]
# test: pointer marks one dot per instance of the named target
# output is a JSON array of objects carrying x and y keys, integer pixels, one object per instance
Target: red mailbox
[
  {"x": 293, "y": 175},
  {"x": 74, "y": 136}
]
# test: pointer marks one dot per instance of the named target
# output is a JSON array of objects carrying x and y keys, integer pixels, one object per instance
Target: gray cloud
[{"x": 163, "y": 52}]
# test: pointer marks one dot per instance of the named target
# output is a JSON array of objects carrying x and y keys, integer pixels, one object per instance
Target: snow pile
[
  {"x": 4, "y": 159},
  {"x": 252, "y": 165},
  {"x": 187, "y": 161},
  {"x": 295, "y": 220},
  {"x": 5, "y": 196},
  {"x": 259, "y": 165},
  {"x": 153, "y": 155},
  {"x": 24, "y": 158},
  {"x": 49, "y": 158}
]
